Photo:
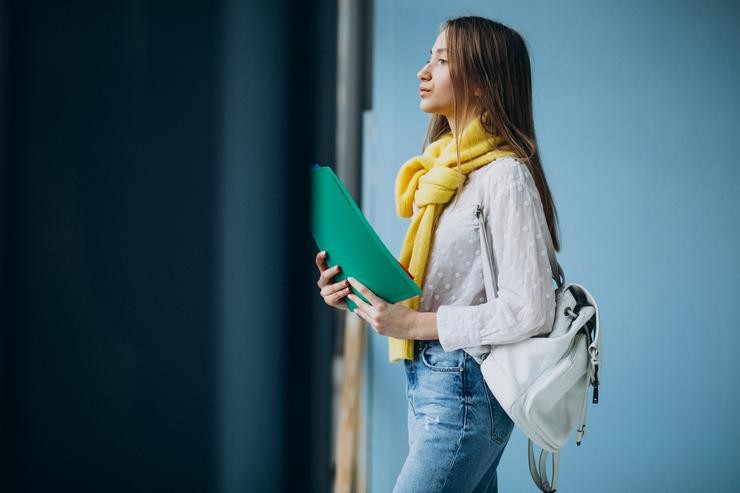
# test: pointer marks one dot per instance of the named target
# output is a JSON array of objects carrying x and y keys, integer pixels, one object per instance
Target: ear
[{"x": 477, "y": 91}]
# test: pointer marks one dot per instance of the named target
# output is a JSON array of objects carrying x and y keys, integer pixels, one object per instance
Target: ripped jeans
[{"x": 457, "y": 428}]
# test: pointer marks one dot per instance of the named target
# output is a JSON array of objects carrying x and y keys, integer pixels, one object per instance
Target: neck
[{"x": 453, "y": 126}]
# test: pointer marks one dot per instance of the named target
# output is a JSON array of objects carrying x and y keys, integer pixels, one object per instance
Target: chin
[
  {"x": 431, "y": 109},
  {"x": 426, "y": 109}
]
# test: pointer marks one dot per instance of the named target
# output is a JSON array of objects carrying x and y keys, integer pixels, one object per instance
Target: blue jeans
[{"x": 457, "y": 428}]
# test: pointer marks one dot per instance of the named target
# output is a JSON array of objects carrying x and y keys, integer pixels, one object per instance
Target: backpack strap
[
  {"x": 557, "y": 270},
  {"x": 540, "y": 476},
  {"x": 489, "y": 260},
  {"x": 490, "y": 273},
  {"x": 582, "y": 421}
]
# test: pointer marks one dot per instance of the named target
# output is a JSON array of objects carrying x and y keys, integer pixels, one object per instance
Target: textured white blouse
[{"x": 453, "y": 285}]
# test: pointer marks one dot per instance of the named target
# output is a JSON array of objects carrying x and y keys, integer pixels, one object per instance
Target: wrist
[
  {"x": 424, "y": 326},
  {"x": 413, "y": 325}
]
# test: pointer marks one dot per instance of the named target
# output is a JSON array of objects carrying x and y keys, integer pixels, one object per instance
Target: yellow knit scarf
[{"x": 429, "y": 181}]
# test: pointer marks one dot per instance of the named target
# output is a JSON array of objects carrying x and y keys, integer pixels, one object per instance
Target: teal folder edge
[{"x": 392, "y": 260}]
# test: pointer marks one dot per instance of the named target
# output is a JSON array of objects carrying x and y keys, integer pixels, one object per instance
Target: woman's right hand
[{"x": 332, "y": 292}]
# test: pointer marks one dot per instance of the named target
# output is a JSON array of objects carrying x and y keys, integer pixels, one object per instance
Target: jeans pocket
[
  {"x": 437, "y": 359},
  {"x": 501, "y": 423},
  {"x": 410, "y": 379}
]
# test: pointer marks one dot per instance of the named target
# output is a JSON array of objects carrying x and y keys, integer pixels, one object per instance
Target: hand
[
  {"x": 388, "y": 319},
  {"x": 333, "y": 293}
]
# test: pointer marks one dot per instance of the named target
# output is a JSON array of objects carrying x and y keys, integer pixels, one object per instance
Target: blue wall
[{"x": 636, "y": 109}]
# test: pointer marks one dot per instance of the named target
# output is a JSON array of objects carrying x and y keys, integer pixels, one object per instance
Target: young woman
[{"x": 480, "y": 150}]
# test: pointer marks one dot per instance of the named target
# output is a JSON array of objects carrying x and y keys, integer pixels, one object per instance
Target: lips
[{"x": 423, "y": 91}]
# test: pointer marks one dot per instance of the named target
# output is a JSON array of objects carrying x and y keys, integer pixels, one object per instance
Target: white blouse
[{"x": 453, "y": 285}]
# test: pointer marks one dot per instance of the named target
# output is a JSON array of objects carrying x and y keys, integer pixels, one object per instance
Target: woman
[{"x": 481, "y": 150}]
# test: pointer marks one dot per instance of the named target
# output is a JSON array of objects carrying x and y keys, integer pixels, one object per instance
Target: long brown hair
[{"x": 487, "y": 54}]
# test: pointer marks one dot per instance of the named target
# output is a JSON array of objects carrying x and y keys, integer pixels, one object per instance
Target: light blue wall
[{"x": 637, "y": 114}]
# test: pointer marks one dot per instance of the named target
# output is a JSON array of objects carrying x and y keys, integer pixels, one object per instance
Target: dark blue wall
[{"x": 155, "y": 258}]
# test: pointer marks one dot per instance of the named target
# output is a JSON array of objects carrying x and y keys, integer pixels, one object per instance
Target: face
[{"x": 435, "y": 88}]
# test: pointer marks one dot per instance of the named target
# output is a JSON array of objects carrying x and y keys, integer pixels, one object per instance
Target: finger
[
  {"x": 321, "y": 260},
  {"x": 338, "y": 297},
  {"x": 335, "y": 288},
  {"x": 362, "y": 315},
  {"x": 331, "y": 272},
  {"x": 371, "y": 297},
  {"x": 327, "y": 275},
  {"x": 360, "y": 304}
]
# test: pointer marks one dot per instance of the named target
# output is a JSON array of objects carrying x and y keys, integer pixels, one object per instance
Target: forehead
[{"x": 440, "y": 42}]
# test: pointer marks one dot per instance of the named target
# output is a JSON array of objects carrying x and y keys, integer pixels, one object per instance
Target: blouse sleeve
[{"x": 525, "y": 305}]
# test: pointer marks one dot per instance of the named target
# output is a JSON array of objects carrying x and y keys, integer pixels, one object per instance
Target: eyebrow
[{"x": 439, "y": 50}]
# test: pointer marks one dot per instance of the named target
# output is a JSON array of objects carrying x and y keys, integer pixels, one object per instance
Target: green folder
[{"x": 340, "y": 228}]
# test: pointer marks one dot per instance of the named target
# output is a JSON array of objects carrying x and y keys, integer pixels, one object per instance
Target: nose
[{"x": 423, "y": 74}]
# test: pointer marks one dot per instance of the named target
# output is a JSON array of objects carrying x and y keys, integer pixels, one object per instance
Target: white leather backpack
[{"x": 542, "y": 382}]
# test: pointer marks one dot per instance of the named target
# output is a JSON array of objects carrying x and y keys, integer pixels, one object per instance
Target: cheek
[
  {"x": 443, "y": 83},
  {"x": 444, "y": 89}
]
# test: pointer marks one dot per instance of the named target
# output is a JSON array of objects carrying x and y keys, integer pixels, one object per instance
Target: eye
[{"x": 442, "y": 60}]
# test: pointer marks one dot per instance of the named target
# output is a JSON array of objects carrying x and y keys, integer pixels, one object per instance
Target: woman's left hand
[{"x": 388, "y": 319}]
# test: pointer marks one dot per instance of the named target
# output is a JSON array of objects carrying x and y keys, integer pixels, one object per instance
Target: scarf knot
[
  {"x": 430, "y": 181},
  {"x": 437, "y": 186}
]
